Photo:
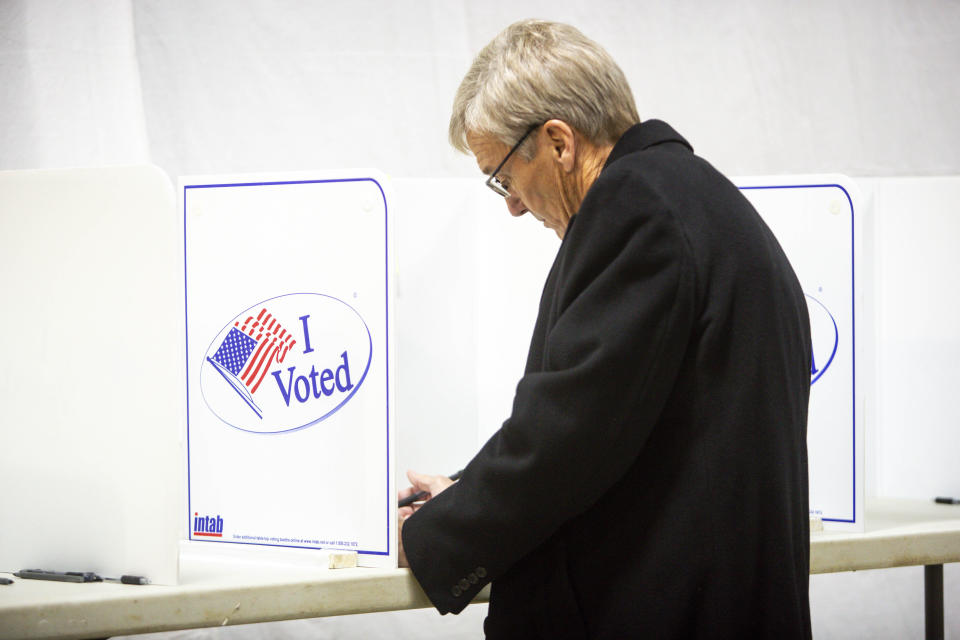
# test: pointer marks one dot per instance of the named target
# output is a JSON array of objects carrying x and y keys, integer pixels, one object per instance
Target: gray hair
[{"x": 534, "y": 71}]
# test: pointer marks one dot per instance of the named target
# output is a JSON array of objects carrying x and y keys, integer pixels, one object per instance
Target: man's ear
[{"x": 563, "y": 143}]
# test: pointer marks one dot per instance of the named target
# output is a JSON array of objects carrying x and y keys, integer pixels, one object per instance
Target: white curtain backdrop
[
  {"x": 69, "y": 85},
  {"x": 864, "y": 87}
]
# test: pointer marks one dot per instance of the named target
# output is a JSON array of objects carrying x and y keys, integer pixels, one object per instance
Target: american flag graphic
[{"x": 249, "y": 351}]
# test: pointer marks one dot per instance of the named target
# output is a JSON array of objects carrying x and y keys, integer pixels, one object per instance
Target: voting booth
[
  {"x": 291, "y": 433},
  {"x": 222, "y": 367},
  {"x": 93, "y": 404},
  {"x": 818, "y": 221}
]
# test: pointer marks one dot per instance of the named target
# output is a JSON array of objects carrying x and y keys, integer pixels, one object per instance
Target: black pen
[
  {"x": 420, "y": 495},
  {"x": 943, "y": 500},
  {"x": 128, "y": 580}
]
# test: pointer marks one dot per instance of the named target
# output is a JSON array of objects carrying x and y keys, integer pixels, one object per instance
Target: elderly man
[{"x": 651, "y": 480}]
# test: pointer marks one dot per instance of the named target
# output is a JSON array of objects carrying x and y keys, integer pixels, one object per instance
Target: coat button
[
  {"x": 456, "y": 591},
  {"x": 481, "y": 572},
  {"x": 463, "y": 584},
  {"x": 472, "y": 577}
]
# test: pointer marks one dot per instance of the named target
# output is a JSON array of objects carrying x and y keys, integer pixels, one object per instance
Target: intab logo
[
  {"x": 286, "y": 363},
  {"x": 211, "y": 526},
  {"x": 824, "y": 336}
]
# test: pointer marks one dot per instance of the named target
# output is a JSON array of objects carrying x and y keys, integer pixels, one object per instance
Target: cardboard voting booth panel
[
  {"x": 289, "y": 361},
  {"x": 818, "y": 222},
  {"x": 92, "y": 394}
]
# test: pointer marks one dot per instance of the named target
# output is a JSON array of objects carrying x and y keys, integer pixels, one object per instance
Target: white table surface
[
  {"x": 899, "y": 533},
  {"x": 221, "y": 591}
]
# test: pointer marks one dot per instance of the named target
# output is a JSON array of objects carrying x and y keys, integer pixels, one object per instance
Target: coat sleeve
[{"x": 617, "y": 333}]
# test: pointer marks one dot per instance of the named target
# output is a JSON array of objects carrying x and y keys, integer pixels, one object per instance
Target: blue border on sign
[
  {"x": 386, "y": 281},
  {"x": 853, "y": 330}
]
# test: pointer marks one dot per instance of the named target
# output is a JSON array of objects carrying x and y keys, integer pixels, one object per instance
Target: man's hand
[{"x": 433, "y": 486}]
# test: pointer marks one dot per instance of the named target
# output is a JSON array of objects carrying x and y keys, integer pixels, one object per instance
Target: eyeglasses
[{"x": 493, "y": 181}]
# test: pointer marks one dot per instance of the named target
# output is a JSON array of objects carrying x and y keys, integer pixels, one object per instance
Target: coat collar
[{"x": 643, "y": 136}]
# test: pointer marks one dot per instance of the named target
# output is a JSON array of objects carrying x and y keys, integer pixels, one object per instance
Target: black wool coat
[{"x": 651, "y": 481}]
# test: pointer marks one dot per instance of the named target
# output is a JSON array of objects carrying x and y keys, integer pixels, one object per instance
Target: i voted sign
[
  {"x": 825, "y": 338},
  {"x": 286, "y": 363}
]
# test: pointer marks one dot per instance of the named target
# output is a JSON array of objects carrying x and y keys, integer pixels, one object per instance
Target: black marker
[
  {"x": 74, "y": 576},
  {"x": 58, "y": 576},
  {"x": 420, "y": 495},
  {"x": 6, "y": 581},
  {"x": 942, "y": 500}
]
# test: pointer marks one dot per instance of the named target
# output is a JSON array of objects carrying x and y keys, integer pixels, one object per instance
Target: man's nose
[{"x": 516, "y": 206}]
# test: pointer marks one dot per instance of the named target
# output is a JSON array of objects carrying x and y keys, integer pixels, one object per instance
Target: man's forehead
[{"x": 487, "y": 150}]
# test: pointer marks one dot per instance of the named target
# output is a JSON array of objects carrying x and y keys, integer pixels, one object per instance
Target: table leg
[{"x": 933, "y": 600}]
